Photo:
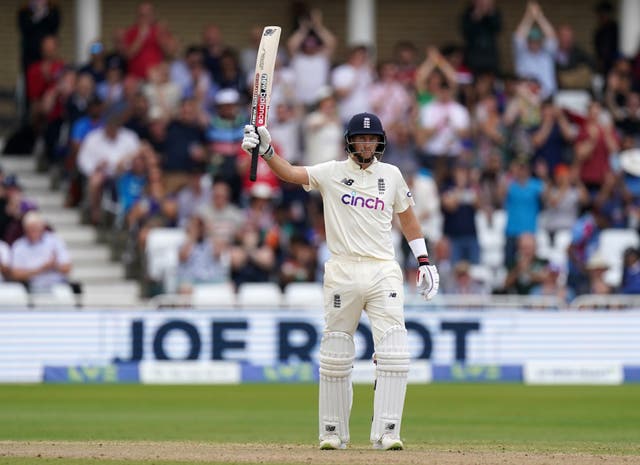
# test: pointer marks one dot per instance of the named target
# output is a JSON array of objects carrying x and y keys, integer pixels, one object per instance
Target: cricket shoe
[
  {"x": 388, "y": 443},
  {"x": 332, "y": 442}
]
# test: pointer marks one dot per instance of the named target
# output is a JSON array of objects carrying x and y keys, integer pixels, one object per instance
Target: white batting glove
[
  {"x": 428, "y": 281},
  {"x": 252, "y": 139}
]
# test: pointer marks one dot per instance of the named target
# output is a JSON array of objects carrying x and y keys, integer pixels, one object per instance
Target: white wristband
[
  {"x": 418, "y": 247},
  {"x": 268, "y": 155}
]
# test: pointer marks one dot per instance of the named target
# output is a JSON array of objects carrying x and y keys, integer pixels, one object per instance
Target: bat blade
[{"x": 263, "y": 80}]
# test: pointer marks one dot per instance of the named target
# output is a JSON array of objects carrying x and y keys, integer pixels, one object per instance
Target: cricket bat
[{"x": 265, "y": 64}]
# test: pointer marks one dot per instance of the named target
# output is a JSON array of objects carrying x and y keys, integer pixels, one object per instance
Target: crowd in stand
[{"x": 149, "y": 130}]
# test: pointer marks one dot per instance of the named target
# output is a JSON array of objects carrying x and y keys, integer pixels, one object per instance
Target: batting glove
[
  {"x": 252, "y": 139},
  {"x": 428, "y": 281}
]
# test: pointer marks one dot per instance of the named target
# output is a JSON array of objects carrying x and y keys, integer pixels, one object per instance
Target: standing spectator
[
  {"x": 584, "y": 244},
  {"x": 432, "y": 73},
  {"x": 40, "y": 258},
  {"x": 162, "y": 94},
  {"x": 522, "y": 204},
  {"x": 352, "y": 82},
  {"x": 489, "y": 129},
  {"x": 111, "y": 89},
  {"x": 595, "y": 143},
  {"x": 311, "y": 47},
  {"x": 100, "y": 154},
  {"x": 231, "y": 76},
  {"x": 551, "y": 139},
  {"x": 184, "y": 147},
  {"x": 390, "y": 100},
  {"x": 144, "y": 42},
  {"x": 443, "y": 125},
  {"x": 605, "y": 37},
  {"x": 405, "y": 57},
  {"x": 574, "y": 68},
  {"x": 534, "y": 46},
  {"x": 323, "y": 130},
  {"x": 618, "y": 89},
  {"x": 37, "y": 20},
  {"x": 481, "y": 25},
  {"x": 285, "y": 131},
  {"x": 213, "y": 47},
  {"x": 460, "y": 202},
  {"x": 200, "y": 86},
  {"x": 44, "y": 74}
]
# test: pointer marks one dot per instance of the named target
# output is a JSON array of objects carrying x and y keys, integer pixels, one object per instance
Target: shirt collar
[{"x": 353, "y": 166}]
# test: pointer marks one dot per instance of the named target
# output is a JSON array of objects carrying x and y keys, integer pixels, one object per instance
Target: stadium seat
[
  {"x": 259, "y": 295},
  {"x": 303, "y": 295},
  {"x": 611, "y": 246},
  {"x": 61, "y": 295},
  {"x": 162, "y": 254},
  {"x": 213, "y": 295},
  {"x": 13, "y": 294}
]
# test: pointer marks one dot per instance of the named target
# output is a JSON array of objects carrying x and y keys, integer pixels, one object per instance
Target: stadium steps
[{"x": 92, "y": 265}]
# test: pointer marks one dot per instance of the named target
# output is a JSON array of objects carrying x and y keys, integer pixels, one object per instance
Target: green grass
[{"x": 589, "y": 419}]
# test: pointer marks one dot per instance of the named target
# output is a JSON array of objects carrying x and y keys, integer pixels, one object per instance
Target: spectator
[
  {"x": 40, "y": 258},
  {"x": 428, "y": 210},
  {"x": 251, "y": 259},
  {"x": 522, "y": 116},
  {"x": 100, "y": 154},
  {"x": 390, "y": 100},
  {"x": 432, "y": 73},
  {"x": 631, "y": 272},
  {"x": 405, "y": 57},
  {"x": 202, "y": 259},
  {"x": 111, "y": 89},
  {"x": 323, "y": 130},
  {"x": 5, "y": 261},
  {"x": 213, "y": 46},
  {"x": 44, "y": 74},
  {"x": 131, "y": 182},
  {"x": 195, "y": 193},
  {"x": 481, "y": 25},
  {"x": 596, "y": 268},
  {"x": 528, "y": 270},
  {"x": 352, "y": 82},
  {"x": 199, "y": 86},
  {"x": 284, "y": 127},
  {"x": 224, "y": 136},
  {"x": 551, "y": 285},
  {"x": 231, "y": 76},
  {"x": 463, "y": 282},
  {"x": 618, "y": 89},
  {"x": 162, "y": 94},
  {"x": 522, "y": 197},
  {"x": 311, "y": 47},
  {"x": 15, "y": 207},
  {"x": 574, "y": 68},
  {"x": 534, "y": 45},
  {"x": 584, "y": 243},
  {"x": 562, "y": 201},
  {"x": 184, "y": 147},
  {"x": 144, "y": 42},
  {"x": 460, "y": 202},
  {"x": 443, "y": 126},
  {"x": 489, "y": 130},
  {"x": 605, "y": 37},
  {"x": 595, "y": 143},
  {"x": 551, "y": 138},
  {"x": 97, "y": 64},
  {"x": 299, "y": 263},
  {"x": 37, "y": 20},
  {"x": 222, "y": 218}
]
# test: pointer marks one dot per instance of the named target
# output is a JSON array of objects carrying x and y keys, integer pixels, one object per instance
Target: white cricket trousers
[{"x": 354, "y": 284}]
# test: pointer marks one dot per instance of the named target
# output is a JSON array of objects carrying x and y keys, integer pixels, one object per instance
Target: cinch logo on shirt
[{"x": 359, "y": 201}]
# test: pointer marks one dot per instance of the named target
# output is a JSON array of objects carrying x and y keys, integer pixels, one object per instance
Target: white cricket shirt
[{"x": 359, "y": 206}]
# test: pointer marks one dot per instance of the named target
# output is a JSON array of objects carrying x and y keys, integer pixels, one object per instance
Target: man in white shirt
[
  {"x": 352, "y": 83},
  {"x": 360, "y": 195},
  {"x": 102, "y": 152},
  {"x": 39, "y": 258}
]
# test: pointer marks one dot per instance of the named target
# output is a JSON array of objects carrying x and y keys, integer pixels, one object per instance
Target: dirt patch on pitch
[{"x": 290, "y": 454}]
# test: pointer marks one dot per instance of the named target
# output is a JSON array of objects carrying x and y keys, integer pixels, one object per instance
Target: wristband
[
  {"x": 423, "y": 260},
  {"x": 419, "y": 247},
  {"x": 268, "y": 155}
]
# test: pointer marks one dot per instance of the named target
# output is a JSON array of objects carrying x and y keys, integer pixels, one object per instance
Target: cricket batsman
[{"x": 360, "y": 196}]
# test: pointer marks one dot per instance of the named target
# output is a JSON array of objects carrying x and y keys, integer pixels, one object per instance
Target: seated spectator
[
  {"x": 631, "y": 272},
  {"x": 196, "y": 193},
  {"x": 100, "y": 154},
  {"x": 528, "y": 270},
  {"x": 596, "y": 268},
  {"x": 202, "y": 259},
  {"x": 299, "y": 263},
  {"x": 112, "y": 88},
  {"x": 574, "y": 67},
  {"x": 223, "y": 219},
  {"x": 463, "y": 282},
  {"x": 14, "y": 209},
  {"x": 5, "y": 261},
  {"x": 131, "y": 182},
  {"x": 163, "y": 94},
  {"x": 251, "y": 259},
  {"x": 40, "y": 258},
  {"x": 552, "y": 286}
]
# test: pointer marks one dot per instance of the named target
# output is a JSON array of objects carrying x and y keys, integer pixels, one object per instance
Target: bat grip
[{"x": 254, "y": 163}]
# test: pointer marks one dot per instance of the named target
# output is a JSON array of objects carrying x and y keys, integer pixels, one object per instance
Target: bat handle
[{"x": 254, "y": 163}]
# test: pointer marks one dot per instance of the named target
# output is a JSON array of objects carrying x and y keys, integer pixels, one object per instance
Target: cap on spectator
[
  {"x": 597, "y": 262},
  {"x": 261, "y": 190},
  {"x": 534, "y": 33},
  {"x": 227, "y": 97},
  {"x": 630, "y": 161},
  {"x": 11, "y": 181}
]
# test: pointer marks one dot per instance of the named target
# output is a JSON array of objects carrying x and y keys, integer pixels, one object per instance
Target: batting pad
[
  {"x": 337, "y": 352},
  {"x": 392, "y": 355}
]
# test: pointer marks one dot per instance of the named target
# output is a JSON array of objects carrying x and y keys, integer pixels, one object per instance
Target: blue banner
[
  {"x": 460, "y": 372},
  {"x": 86, "y": 374},
  {"x": 280, "y": 373}
]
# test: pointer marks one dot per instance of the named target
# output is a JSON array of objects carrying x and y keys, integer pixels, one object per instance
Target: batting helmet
[{"x": 365, "y": 124}]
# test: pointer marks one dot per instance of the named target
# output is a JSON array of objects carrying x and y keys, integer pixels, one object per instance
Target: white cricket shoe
[
  {"x": 388, "y": 443},
  {"x": 332, "y": 442}
]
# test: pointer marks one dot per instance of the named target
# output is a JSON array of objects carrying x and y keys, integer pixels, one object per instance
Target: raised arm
[
  {"x": 526, "y": 22},
  {"x": 547, "y": 29}
]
